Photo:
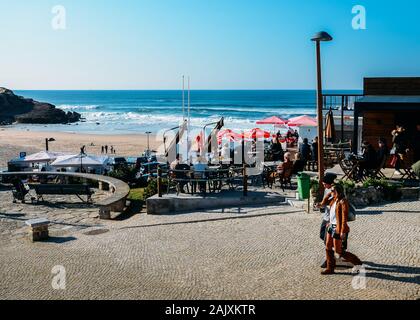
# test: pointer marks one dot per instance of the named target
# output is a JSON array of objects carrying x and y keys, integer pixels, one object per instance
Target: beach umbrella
[
  {"x": 229, "y": 135},
  {"x": 302, "y": 121},
  {"x": 330, "y": 133},
  {"x": 257, "y": 133},
  {"x": 273, "y": 120}
]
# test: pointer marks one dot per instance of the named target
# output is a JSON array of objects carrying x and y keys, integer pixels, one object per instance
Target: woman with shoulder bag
[{"x": 338, "y": 229}]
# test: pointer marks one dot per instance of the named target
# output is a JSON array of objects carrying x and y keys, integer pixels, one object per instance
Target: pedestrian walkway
[{"x": 248, "y": 253}]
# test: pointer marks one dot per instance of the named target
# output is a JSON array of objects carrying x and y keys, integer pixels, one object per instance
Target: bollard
[
  {"x": 245, "y": 181},
  {"x": 159, "y": 181}
]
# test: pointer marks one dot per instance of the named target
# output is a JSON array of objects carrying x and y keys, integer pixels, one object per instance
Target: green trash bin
[{"x": 304, "y": 185}]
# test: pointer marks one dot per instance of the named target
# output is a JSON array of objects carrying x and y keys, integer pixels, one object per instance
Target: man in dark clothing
[
  {"x": 315, "y": 149},
  {"x": 305, "y": 150},
  {"x": 416, "y": 144},
  {"x": 383, "y": 152}
]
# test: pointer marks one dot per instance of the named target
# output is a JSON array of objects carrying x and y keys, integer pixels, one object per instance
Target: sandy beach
[{"x": 13, "y": 141}]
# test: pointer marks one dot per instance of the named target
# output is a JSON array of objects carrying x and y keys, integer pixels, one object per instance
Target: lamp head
[{"x": 321, "y": 36}]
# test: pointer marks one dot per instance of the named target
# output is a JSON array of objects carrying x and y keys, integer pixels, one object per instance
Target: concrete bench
[
  {"x": 38, "y": 229},
  {"x": 115, "y": 203}
]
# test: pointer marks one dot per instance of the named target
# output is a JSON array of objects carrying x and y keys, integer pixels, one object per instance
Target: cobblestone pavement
[
  {"x": 248, "y": 253},
  {"x": 66, "y": 214}
]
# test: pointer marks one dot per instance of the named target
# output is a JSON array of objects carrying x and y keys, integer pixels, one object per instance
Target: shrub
[
  {"x": 124, "y": 173},
  {"x": 151, "y": 188},
  {"x": 348, "y": 185}
]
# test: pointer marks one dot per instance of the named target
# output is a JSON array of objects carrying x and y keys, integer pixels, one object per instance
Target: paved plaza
[{"x": 238, "y": 253}]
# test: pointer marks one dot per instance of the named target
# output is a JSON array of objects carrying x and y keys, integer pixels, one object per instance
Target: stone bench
[
  {"x": 119, "y": 190},
  {"x": 38, "y": 229}
]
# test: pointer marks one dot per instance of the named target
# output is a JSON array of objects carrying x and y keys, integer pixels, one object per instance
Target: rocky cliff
[{"x": 14, "y": 108}]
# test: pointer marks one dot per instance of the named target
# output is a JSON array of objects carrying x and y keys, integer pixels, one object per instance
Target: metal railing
[{"x": 344, "y": 103}]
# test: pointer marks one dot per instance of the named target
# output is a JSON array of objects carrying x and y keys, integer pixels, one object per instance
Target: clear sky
[{"x": 221, "y": 44}]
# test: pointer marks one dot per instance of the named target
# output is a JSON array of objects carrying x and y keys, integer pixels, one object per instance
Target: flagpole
[
  {"x": 189, "y": 121},
  {"x": 183, "y": 99}
]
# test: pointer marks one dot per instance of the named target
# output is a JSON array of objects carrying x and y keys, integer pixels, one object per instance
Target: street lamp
[
  {"x": 320, "y": 36},
  {"x": 46, "y": 142},
  {"x": 148, "y": 142}
]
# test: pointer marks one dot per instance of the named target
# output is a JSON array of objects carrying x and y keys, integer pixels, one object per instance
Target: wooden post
[
  {"x": 159, "y": 181},
  {"x": 245, "y": 183}
]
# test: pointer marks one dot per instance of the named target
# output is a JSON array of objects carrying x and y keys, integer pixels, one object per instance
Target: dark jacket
[
  {"x": 400, "y": 141},
  {"x": 305, "y": 151}
]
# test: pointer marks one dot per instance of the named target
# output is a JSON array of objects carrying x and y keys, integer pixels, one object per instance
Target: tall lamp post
[
  {"x": 148, "y": 142},
  {"x": 320, "y": 36},
  {"x": 46, "y": 142}
]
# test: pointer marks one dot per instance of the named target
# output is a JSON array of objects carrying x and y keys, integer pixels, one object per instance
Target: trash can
[{"x": 304, "y": 185}]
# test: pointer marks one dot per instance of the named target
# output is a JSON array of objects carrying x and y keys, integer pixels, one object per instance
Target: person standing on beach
[
  {"x": 102, "y": 149},
  {"x": 112, "y": 149},
  {"x": 106, "y": 149},
  {"x": 337, "y": 229}
]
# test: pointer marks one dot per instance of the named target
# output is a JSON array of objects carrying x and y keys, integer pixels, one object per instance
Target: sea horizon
[{"x": 137, "y": 111}]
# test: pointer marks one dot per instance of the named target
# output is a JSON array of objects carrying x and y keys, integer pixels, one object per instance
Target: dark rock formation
[{"x": 14, "y": 108}]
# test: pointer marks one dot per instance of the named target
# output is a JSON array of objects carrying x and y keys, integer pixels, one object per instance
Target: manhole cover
[{"x": 96, "y": 232}]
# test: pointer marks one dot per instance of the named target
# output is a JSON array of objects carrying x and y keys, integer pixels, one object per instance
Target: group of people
[{"x": 104, "y": 150}]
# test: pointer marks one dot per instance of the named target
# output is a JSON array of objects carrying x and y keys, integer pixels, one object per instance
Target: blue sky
[{"x": 221, "y": 44}]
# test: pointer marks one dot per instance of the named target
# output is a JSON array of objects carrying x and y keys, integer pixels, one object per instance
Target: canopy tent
[
  {"x": 42, "y": 156},
  {"x": 79, "y": 160},
  {"x": 273, "y": 120},
  {"x": 302, "y": 121}
]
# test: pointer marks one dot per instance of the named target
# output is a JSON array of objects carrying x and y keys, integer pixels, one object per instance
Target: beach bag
[{"x": 352, "y": 213}]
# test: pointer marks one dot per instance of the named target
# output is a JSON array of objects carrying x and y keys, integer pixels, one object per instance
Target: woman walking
[{"x": 337, "y": 229}]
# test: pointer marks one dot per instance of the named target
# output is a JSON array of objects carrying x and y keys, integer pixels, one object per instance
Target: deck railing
[{"x": 344, "y": 103}]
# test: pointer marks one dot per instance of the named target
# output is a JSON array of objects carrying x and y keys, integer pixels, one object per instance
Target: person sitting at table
[
  {"x": 176, "y": 162},
  {"x": 383, "y": 153},
  {"x": 368, "y": 160},
  {"x": 299, "y": 164},
  {"x": 200, "y": 168},
  {"x": 277, "y": 149},
  {"x": 286, "y": 165}
]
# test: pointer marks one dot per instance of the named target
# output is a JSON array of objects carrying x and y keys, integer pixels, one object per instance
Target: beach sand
[{"x": 13, "y": 141}]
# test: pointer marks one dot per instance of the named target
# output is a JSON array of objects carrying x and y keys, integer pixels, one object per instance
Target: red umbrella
[
  {"x": 273, "y": 120},
  {"x": 228, "y": 134},
  {"x": 305, "y": 121},
  {"x": 257, "y": 133}
]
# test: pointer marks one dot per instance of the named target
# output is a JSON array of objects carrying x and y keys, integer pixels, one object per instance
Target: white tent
[
  {"x": 81, "y": 160},
  {"x": 43, "y": 156}
]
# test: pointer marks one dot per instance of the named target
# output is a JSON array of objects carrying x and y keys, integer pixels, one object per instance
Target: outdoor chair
[
  {"x": 286, "y": 178},
  {"x": 181, "y": 178}
]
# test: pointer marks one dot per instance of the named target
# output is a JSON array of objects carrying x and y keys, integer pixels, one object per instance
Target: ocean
[{"x": 125, "y": 112}]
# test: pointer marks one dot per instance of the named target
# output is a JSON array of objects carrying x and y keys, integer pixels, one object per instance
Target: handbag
[
  {"x": 394, "y": 160},
  {"x": 352, "y": 213}
]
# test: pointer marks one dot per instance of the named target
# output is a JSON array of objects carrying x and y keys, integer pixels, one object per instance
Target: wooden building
[{"x": 386, "y": 103}]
